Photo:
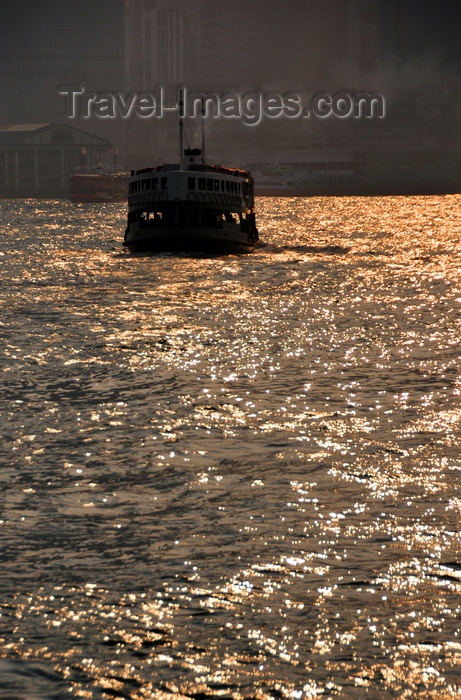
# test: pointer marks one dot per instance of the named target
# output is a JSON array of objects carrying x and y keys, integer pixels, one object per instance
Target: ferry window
[
  {"x": 223, "y": 185},
  {"x": 238, "y": 185},
  {"x": 168, "y": 216},
  {"x": 194, "y": 217},
  {"x": 181, "y": 213},
  {"x": 202, "y": 183},
  {"x": 212, "y": 218},
  {"x": 216, "y": 185},
  {"x": 227, "y": 185},
  {"x": 154, "y": 183},
  {"x": 322, "y": 166},
  {"x": 164, "y": 181},
  {"x": 209, "y": 185},
  {"x": 191, "y": 183},
  {"x": 145, "y": 185}
]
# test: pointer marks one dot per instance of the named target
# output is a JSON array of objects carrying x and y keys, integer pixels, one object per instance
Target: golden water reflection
[{"x": 234, "y": 477}]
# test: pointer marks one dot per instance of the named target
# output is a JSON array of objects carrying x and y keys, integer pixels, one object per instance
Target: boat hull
[
  {"x": 97, "y": 198},
  {"x": 193, "y": 206},
  {"x": 91, "y": 188},
  {"x": 192, "y": 239}
]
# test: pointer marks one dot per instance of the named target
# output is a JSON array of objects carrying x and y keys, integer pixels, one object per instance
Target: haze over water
[{"x": 232, "y": 477}]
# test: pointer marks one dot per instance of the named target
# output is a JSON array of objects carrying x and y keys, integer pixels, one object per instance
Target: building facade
[
  {"x": 36, "y": 160},
  {"x": 47, "y": 44}
]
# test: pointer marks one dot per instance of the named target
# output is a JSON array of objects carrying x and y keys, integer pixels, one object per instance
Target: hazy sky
[
  {"x": 399, "y": 47},
  {"x": 431, "y": 27}
]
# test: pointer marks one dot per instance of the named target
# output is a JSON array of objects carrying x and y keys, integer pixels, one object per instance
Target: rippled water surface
[{"x": 232, "y": 477}]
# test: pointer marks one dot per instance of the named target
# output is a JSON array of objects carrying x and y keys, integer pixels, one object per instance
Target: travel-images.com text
[{"x": 250, "y": 108}]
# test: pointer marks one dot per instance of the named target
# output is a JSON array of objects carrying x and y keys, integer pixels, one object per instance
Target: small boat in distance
[
  {"x": 98, "y": 187},
  {"x": 191, "y": 205}
]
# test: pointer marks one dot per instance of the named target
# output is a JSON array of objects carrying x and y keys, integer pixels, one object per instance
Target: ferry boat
[
  {"x": 98, "y": 187},
  {"x": 310, "y": 174},
  {"x": 191, "y": 205}
]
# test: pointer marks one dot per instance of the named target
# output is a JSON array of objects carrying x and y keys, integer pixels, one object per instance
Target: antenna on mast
[
  {"x": 203, "y": 128},
  {"x": 181, "y": 125}
]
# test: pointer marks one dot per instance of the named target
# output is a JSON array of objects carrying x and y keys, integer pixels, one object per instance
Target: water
[{"x": 232, "y": 477}]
